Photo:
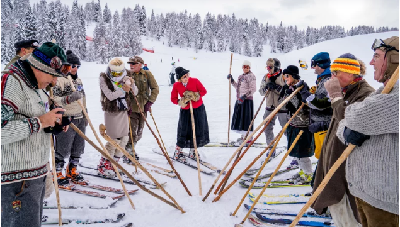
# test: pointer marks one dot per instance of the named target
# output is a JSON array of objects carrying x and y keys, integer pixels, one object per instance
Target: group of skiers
[{"x": 341, "y": 109}]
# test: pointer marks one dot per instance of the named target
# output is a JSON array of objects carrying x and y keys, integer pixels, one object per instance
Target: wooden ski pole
[
  {"x": 389, "y": 86},
  {"x": 248, "y": 138},
  {"x": 159, "y": 144},
  {"x": 133, "y": 145},
  {"x": 259, "y": 156},
  {"x": 120, "y": 167},
  {"x": 237, "y": 160},
  {"x": 272, "y": 176},
  {"x": 101, "y": 144},
  {"x": 195, "y": 147},
  {"x": 225, "y": 180},
  {"x": 53, "y": 158},
  {"x": 265, "y": 162},
  {"x": 159, "y": 134},
  {"x": 102, "y": 129},
  {"x": 230, "y": 85}
]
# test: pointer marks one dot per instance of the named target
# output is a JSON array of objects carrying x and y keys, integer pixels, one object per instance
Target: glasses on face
[
  {"x": 75, "y": 66},
  {"x": 268, "y": 67},
  {"x": 286, "y": 76},
  {"x": 113, "y": 73},
  {"x": 133, "y": 63},
  {"x": 246, "y": 67},
  {"x": 334, "y": 73}
]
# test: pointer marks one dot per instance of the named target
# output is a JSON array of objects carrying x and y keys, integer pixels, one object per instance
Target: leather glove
[
  {"x": 241, "y": 99},
  {"x": 333, "y": 88},
  {"x": 289, "y": 90},
  {"x": 273, "y": 78},
  {"x": 318, "y": 126},
  {"x": 272, "y": 86},
  {"x": 354, "y": 137},
  {"x": 76, "y": 95},
  {"x": 86, "y": 121},
  {"x": 230, "y": 77},
  {"x": 182, "y": 102},
  {"x": 304, "y": 92},
  {"x": 147, "y": 107}
]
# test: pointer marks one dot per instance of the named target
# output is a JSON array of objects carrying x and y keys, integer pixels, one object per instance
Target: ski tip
[{"x": 238, "y": 225}]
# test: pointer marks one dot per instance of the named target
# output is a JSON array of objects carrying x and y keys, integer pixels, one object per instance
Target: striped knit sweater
[
  {"x": 62, "y": 90},
  {"x": 372, "y": 170},
  {"x": 24, "y": 145}
]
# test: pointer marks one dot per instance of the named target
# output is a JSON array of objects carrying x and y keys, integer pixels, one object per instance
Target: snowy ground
[{"x": 211, "y": 69}]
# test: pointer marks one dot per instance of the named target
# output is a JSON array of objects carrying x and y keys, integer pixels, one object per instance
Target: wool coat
[{"x": 148, "y": 89}]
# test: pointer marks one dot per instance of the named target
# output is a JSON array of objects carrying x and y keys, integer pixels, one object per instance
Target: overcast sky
[{"x": 302, "y": 13}]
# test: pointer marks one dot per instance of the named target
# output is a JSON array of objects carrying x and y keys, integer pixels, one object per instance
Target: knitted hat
[
  {"x": 116, "y": 65},
  {"x": 246, "y": 62},
  {"x": 274, "y": 62},
  {"x": 72, "y": 58},
  {"x": 49, "y": 58},
  {"x": 292, "y": 70},
  {"x": 346, "y": 63},
  {"x": 180, "y": 71},
  {"x": 135, "y": 59},
  {"x": 321, "y": 59},
  {"x": 392, "y": 57}
]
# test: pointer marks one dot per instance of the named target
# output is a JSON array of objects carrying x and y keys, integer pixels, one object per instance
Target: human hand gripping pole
[{"x": 392, "y": 81}]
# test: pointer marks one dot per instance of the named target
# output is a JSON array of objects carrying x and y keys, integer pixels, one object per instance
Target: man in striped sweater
[{"x": 24, "y": 143}]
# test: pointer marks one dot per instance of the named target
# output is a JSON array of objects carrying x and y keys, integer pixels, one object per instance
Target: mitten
[
  {"x": 241, "y": 99},
  {"x": 147, "y": 107},
  {"x": 182, "y": 102},
  {"x": 76, "y": 95},
  {"x": 230, "y": 77},
  {"x": 333, "y": 88}
]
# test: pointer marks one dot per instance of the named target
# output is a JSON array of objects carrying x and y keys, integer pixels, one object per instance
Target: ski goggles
[
  {"x": 114, "y": 73},
  {"x": 314, "y": 63},
  {"x": 269, "y": 67},
  {"x": 379, "y": 43},
  {"x": 246, "y": 67}
]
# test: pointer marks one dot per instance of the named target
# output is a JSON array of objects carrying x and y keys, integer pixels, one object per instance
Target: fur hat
[
  {"x": 321, "y": 59},
  {"x": 346, "y": 63},
  {"x": 293, "y": 71},
  {"x": 135, "y": 59},
  {"x": 116, "y": 65},
  {"x": 49, "y": 58},
  {"x": 246, "y": 62},
  {"x": 72, "y": 58},
  {"x": 392, "y": 57},
  {"x": 180, "y": 71},
  {"x": 275, "y": 63}
]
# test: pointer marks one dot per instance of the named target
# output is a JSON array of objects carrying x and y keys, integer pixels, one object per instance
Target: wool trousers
[
  {"x": 371, "y": 216},
  {"x": 29, "y": 194},
  {"x": 342, "y": 214},
  {"x": 137, "y": 125},
  {"x": 269, "y": 130},
  {"x": 70, "y": 143}
]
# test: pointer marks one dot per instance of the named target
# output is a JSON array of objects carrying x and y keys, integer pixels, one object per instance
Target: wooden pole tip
[{"x": 102, "y": 129}]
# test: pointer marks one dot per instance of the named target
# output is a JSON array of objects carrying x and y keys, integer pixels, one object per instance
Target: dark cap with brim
[{"x": 26, "y": 44}]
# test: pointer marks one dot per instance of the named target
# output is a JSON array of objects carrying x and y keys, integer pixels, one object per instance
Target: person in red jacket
[{"x": 189, "y": 89}]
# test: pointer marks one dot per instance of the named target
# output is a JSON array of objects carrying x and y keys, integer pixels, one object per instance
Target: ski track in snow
[{"x": 211, "y": 69}]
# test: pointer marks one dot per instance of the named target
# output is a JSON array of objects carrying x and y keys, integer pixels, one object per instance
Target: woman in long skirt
[
  {"x": 244, "y": 109},
  {"x": 189, "y": 89}
]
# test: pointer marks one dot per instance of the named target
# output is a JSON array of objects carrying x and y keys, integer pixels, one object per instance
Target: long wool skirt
[
  {"x": 242, "y": 116},
  {"x": 302, "y": 149},
  {"x": 185, "y": 132}
]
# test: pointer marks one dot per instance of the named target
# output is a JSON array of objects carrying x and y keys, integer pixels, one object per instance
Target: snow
[{"x": 211, "y": 69}]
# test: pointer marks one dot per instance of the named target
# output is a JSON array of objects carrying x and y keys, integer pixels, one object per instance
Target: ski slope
[{"x": 211, "y": 69}]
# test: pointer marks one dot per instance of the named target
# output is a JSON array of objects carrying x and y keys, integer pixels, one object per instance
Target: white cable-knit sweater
[
  {"x": 24, "y": 145},
  {"x": 372, "y": 170}
]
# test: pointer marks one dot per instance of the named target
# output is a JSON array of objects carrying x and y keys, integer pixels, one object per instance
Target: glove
[
  {"x": 273, "y": 78},
  {"x": 304, "y": 92},
  {"x": 191, "y": 95},
  {"x": 333, "y": 88},
  {"x": 147, "y": 107},
  {"x": 318, "y": 126},
  {"x": 86, "y": 121},
  {"x": 289, "y": 90},
  {"x": 272, "y": 86},
  {"x": 241, "y": 99},
  {"x": 230, "y": 77},
  {"x": 182, "y": 102},
  {"x": 76, "y": 95},
  {"x": 354, "y": 137}
]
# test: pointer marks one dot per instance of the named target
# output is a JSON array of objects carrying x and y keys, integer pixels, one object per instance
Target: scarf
[
  {"x": 271, "y": 75},
  {"x": 118, "y": 83},
  {"x": 352, "y": 82}
]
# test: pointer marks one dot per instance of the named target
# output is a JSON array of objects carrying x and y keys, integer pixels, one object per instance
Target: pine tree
[
  {"x": 97, "y": 12},
  {"x": 107, "y": 14},
  {"x": 7, "y": 31},
  {"x": 28, "y": 25}
]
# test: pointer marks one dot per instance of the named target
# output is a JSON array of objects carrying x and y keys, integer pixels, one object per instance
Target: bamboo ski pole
[
  {"x": 225, "y": 180},
  {"x": 195, "y": 147},
  {"x": 102, "y": 129},
  {"x": 272, "y": 176},
  {"x": 265, "y": 162},
  {"x": 230, "y": 85},
  {"x": 133, "y": 145},
  {"x": 53, "y": 158},
  {"x": 101, "y": 144},
  {"x": 248, "y": 138},
  {"x": 277, "y": 138},
  {"x": 159, "y": 144},
  {"x": 389, "y": 86},
  {"x": 120, "y": 167},
  {"x": 237, "y": 160}
]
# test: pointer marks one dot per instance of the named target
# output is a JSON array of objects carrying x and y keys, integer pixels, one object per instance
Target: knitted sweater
[
  {"x": 62, "y": 90},
  {"x": 372, "y": 170},
  {"x": 245, "y": 85},
  {"x": 24, "y": 145},
  {"x": 320, "y": 115}
]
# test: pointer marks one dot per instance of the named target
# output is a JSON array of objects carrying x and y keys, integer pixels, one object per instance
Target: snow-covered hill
[{"x": 211, "y": 69}]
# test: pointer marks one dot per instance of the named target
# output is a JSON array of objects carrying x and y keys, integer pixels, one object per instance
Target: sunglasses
[
  {"x": 286, "y": 76},
  {"x": 133, "y": 63},
  {"x": 113, "y": 73},
  {"x": 246, "y": 67},
  {"x": 314, "y": 63},
  {"x": 269, "y": 67},
  {"x": 75, "y": 66}
]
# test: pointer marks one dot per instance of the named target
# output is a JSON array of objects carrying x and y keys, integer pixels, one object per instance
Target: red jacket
[{"x": 193, "y": 85}]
